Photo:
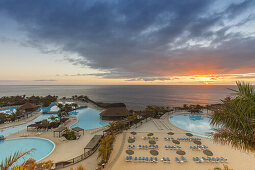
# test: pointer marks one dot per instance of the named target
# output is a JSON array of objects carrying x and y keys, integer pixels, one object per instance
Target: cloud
[{"x": 141, "y": 40}]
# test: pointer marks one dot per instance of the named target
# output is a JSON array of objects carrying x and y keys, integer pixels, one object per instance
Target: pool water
[
  {"x": 89, "y": 119},
  {"x": 14, "y": 129},
  {"x": 8, "y": 110},
  {"x": 199, "y": 125},
  {"x": 43, "y": 147}
]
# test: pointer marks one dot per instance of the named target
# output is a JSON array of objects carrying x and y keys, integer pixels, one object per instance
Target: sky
[{"x": 129, "y": 42}]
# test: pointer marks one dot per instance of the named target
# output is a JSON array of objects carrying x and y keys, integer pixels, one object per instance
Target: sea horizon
[{"x": 134, "y": 96}]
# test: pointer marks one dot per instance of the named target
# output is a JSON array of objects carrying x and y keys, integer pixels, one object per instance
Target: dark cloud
[{"x": 139, "y": 39}]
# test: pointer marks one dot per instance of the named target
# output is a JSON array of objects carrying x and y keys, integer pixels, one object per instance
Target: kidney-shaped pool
[{"x": 43, "y": 147}]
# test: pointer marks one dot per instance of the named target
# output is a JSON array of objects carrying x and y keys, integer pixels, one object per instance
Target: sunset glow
[{"x": 199, "y": 42}]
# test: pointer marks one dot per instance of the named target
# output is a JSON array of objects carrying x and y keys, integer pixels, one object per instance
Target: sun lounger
[
  {"x": 146, "y": 147},
  {"x": 140, "y": 159},
  {"x": 156, "y": 146},
  {"x": 214, "y": 159},
  {"x": 166, "y": 147},
  {"x": 156, "y": 159},
  {"x": 156, "y": 138},
  {"x": 210, "y": 159},
  {"x": 129, "y": 146},
  {"x": 178, "y": 147},
  {"x": 139, "y": 146},
  {"x": 151, "y": 159},
  {"x": 184, "y": 159},
  {"x": 198, "y": 159},
  {"x": 127, "y": 158},
  {"x": 168, "y": 160},
  {"x": 133, "y": 146},
  {"x": 204, "y": 159},
  {"x": 136, "y": 159},
  {"x": 143, "y": 159},
  {"x": 146, "y": 159},
  {"x": 148, "y": 137},
  {"x": 195, "y": 159},
  {"x": 130, "y": 158},
  {"x": 178, "y": 160},
  {"x": 163, "y": 159},
  {"x": 223, "y": 159},
  {"x": 218, "y": 159}
]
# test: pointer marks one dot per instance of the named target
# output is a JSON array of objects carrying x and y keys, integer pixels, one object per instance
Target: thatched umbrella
[
  {"x": 131, "y": 140},
  {"x": 189, "y": 134},
  {"x": 170, "y": 133},
  {"x": 130, "y": 152},
  {"x": 180, "y": 152},
  {"x": 152, "y": 142},
  {"x": 176, "y": 141},
  {"x": 133, "y": 133},
  {"x": 150, "y": 134},
  {"x": 197, "y": 142},
  {"x": 208, "y": 152},
  {"x": 154, "y": 152}
]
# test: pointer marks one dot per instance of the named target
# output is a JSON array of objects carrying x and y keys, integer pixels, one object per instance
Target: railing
[{"x": 75, "y": 160}]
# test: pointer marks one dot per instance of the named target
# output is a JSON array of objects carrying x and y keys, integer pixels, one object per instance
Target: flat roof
[
  {"x": 60, "y": 129},
  {"x": 93, "y": 142}
]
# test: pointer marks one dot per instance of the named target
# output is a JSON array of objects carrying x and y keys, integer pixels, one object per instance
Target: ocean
[{"x": 134, "y": 96}]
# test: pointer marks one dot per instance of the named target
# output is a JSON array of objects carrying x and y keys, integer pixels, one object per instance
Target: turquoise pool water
[
  {"x": 199, "y": 125},
  {"x": 8, "y": 110},
  {"x": 89, "y": 119},
  {"x": 11, "y": 130},
  {"x": 43, "y": 147}
]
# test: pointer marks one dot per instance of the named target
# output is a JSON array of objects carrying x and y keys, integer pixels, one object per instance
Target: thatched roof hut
[
  {"x": 28, "y": 107},
  {"x": 114, "y": 113}
]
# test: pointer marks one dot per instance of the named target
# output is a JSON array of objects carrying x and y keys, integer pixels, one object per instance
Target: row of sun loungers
[
  {"x": 150, "y": 138},
  {"x": 172, "y": 147},
  {"x": 131, "y": 146},
  {"x": 132, "y": 137},
  {"x": 199, "y": 147},
  {"x": 142, "y": 159},
  {"x": 209, "y": 159},
  {"x": 188, "y": 139},
  {"x": 146, "y": 147},
  {"x": 183, "y": 159},
  {"x": 154, "y": 159},
  {"x": 165, "y": 138}
]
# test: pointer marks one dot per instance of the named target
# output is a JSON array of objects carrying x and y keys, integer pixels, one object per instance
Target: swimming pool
[
  {"x": 8, "y": 110},
  {"x": 51, "y": 108},
  {"x": 14, "y": 129},
  {"x": 89, "y": 119},
  {"x": 43, "y": 147},
  {"x": 199, "y": 125}
]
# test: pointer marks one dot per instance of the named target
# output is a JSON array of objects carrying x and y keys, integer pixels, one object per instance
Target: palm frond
[{"x": 13, "y": 158}]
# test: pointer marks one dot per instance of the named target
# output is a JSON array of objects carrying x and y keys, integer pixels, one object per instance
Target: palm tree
[
  {"x": 236, "y": 118},
  {"x": 105, "y": 148},
  {"x": 12, "y": 159}
]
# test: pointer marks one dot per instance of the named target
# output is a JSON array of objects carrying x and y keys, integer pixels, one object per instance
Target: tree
[
  {"x": 105, "y": 148},
  {"x": 236, "y": 118}
]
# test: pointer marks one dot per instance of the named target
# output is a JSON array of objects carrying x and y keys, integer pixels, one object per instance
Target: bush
[{"x": 69, "y": 134}]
